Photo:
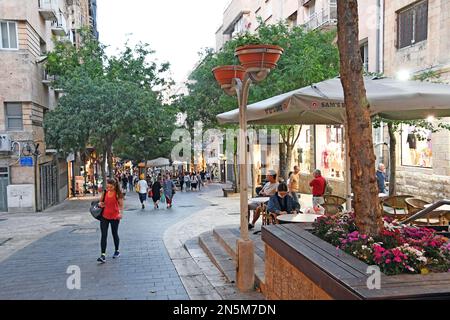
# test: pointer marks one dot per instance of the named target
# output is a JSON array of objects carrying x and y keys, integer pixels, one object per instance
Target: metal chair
[
  {"x": 333, "y": 204},
  {"x": 396, "y": 206},
  {"x": 330, "y": 199},
  {"x": 415, "y": 205}
]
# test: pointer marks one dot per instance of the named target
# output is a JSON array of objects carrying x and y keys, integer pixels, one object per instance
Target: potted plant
[
  {"x": 225, "y": 74},
  {"x": 258, "y": 56}
]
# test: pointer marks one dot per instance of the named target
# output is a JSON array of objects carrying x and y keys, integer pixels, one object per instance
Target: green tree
[
  {"x": 106, "y": 99},
  {"x": 309, "y": 56}
]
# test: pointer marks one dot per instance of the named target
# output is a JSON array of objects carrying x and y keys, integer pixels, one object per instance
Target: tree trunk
[
  {"x": 289, "y": 164},
  {"x": 103, "y": 165},
  {"x": 364, "y": 185},
  {"x": 392, "y": 160},
  {"x": 235, "y": 173},
  {"x": 110, "y": 163},
  {"x": 283, "y": 163}
]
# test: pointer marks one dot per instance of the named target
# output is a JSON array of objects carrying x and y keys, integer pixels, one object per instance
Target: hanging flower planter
[
  {"x": 225, "y": 74},
  {"x": 261, "y": 56}
]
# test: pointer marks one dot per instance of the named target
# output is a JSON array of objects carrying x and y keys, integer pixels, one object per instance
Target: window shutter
[
  {"x": 405, "y": 30},
  {"x": 421, "y": 22}
]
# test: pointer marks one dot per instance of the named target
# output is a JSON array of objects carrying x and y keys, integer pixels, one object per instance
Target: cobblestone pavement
[
  {"x": 33, "y": 264},
  {"x": 201, "y": 278}
]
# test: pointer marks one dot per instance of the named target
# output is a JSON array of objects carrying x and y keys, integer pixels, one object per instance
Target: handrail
[{"x": 424, "y": 212}]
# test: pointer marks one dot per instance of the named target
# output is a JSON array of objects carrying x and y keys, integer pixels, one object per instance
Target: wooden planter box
[{"x": 301, "y": 266}]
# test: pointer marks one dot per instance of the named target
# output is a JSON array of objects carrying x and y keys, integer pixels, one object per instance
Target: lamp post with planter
[{"x": 256, "y": 63}]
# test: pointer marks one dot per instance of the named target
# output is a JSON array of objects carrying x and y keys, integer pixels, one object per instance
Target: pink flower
[{"x": 388, "y": 260}]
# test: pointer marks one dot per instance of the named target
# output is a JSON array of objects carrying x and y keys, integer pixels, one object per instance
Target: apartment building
[{"x": 32, "y": 177}]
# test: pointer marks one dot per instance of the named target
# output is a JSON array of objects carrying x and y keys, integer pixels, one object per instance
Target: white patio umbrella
[
  {"x": 323, "y": 103},
  {"x": 159, "y": 162}
]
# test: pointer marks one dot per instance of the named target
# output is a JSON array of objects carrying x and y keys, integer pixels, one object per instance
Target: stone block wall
[{"x": 285, "y": 282}]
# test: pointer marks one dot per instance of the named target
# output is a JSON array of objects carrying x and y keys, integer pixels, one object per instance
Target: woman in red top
[{"x": 112, "y": 204}]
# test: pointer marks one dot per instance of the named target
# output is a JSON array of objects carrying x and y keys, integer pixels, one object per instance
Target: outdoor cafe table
[
  {"x": 259, "y": 200},
  {"x": 298, "y": 218}
]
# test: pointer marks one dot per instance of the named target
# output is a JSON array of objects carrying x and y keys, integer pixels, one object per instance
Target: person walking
[
  {"x": 124, "y": 183},
  {"x": 187, "y": 181},
  {"x": 181, "y": 180},
  {"x": 294, "y": 184},
  {"x": 130, "y": 181},
  {"x": 112, "y": 204},
  {"x": 381, "y": 179},
  {"x": 156, "y": 193},
  {"x": 199, "y": 181},
  {"x": 194, "y": 181},
  {"x": 142, "y": 189},
  {"x": 169, "y": 190},
  {"x": 318, "y": 185}
]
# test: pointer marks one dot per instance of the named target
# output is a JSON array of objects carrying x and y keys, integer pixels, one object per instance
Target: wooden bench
[{"x": 227, "y": 191}]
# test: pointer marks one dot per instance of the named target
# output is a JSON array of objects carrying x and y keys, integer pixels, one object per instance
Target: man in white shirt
[
  {"x": 142, "y": 189},
  {"x": 269, "y": 189}
]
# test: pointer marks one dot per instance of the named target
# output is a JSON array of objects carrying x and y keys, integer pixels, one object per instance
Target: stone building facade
[
  {"x": 414, "y": 49},
  {"x": 32, "y": 177}
]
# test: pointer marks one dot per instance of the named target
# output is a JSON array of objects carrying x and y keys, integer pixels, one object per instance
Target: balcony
[
  {"x": 59, "y": 26},
  {"x": 324, "y": 19},
  {"x": 47, "y": 79},
  {"x": 48, "y": 9}
]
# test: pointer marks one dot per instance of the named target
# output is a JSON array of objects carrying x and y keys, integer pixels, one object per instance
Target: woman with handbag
[
  {"x": 169, "y": 190},
  {"x": 156, "y": 193},
  {"x": 112, "y": 204}
]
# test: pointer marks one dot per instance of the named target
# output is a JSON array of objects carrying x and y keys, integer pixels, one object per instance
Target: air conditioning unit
[{"x": 5, "y": 143}]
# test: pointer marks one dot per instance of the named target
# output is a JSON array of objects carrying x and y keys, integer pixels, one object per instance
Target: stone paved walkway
[{"x": 35, "y": 266}]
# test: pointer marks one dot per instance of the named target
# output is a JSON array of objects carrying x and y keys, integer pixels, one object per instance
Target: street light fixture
[{"x": 256, "y": 63}]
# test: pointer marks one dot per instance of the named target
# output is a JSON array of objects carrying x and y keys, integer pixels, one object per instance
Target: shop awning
[{"x": 323, "y": 103}]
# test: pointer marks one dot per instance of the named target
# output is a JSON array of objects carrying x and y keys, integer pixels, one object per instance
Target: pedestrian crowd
[{"x": 156, "y": 185}]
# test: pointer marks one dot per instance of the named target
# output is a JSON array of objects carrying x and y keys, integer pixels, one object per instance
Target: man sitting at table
[
  {"x": 269, "y": 189},
  {"x": 282, "y": 203}
]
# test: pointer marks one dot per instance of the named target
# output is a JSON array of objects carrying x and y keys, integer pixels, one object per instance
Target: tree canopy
[{"x": 110, "y": 103}]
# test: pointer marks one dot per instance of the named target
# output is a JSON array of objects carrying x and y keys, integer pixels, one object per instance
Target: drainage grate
[
  {"x": 233, "y": 214},
  {"x": 69, "y": 225},
  {"x": 213, "y": 205},
  {"x": 4, "y": 240},
  {"x": 3, "y": 220},
  {"x": 84, "y": 230}
]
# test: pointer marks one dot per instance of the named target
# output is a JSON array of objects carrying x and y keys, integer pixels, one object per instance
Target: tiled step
[
  {"x": 228, "y": 240},
  {"x": 218, "y": 256}
]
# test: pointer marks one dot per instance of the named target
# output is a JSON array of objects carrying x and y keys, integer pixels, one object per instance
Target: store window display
[
  {"x": 303, "y": 151},
  {"x": 416, "y": 147},
  {"x": 330, "y": 151}
]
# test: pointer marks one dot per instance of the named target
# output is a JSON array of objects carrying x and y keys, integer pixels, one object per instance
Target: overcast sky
[{"x": 176, "y": 29}]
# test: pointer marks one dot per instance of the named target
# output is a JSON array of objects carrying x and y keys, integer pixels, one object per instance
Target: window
[
  {"x": 417, "y": 147},
  {"x": 14, "y": 116},
  {"x": 365, "y": 55},
  {"x": 330, "y": 151},
  {"x": 8, "y": 35},
  {"x": 412, "y": 24}
]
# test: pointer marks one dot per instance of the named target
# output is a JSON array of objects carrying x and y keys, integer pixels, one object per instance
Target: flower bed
[{"x": 398, "y": 249}]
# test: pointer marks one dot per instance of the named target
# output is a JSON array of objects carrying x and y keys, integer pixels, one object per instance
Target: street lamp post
[{"x": 236, "y": 81}]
